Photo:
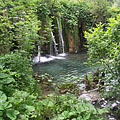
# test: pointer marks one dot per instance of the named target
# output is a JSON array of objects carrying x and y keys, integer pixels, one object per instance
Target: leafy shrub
[
  {"x": 72, "y": 12},
  {"x": 104, "y": 48},
  {"x": 16, "y": 104},
  {"x": 67, "y": 107},
  {"x": 18, "y": 25},
  {"x": 21, "y": 66},
  {"x": 20, "y": 105}
]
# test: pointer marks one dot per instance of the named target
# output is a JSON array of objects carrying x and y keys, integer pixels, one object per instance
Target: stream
[{"x": 71, "y": 64}]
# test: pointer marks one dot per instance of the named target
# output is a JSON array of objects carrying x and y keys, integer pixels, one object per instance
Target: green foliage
[
  {"x": 70, "y": 108},
  {"x": 100, "y": 10},
  {"x": 67, "y": 106},
  {"x": 20, "y": 105},
  {"x": 21, "y": 67},
  {"x": 69, "y": 77},
  {"x": 24, "y": 103},
  {"x": 72, "y": 12},
  {"x": 116, "y": 3},
  {"x": 18, "y": 25},
  {"x": 104, "y": 48},
  {"x": 14, "y": 104},
  {"x": 43, "y": 9},
  {"x": 27, "y": 24}
]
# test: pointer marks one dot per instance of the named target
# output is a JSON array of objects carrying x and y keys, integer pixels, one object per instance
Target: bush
[
  {"x": 21, "y": 66},
  {"x": 104, "y": 48},
  {"x": 14, "y": 104},
  {"x": 67, "y": 107}
]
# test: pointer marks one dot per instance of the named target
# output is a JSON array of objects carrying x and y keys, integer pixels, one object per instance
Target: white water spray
[
  {"x": 55, "y": 44},
  {"x": 61, "y": 36}
]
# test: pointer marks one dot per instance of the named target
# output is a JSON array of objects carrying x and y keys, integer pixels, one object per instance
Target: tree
[{"x": 18, "y": 25}]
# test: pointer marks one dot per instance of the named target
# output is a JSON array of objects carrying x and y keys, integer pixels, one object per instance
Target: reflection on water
[{"x": 72, "y": 64}]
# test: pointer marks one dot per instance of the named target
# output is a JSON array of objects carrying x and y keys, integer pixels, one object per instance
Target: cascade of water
[
  {"x": 55, "y": 44},
  {"x": 43, "y": 59},
  {"x": 61, "y": 36}
]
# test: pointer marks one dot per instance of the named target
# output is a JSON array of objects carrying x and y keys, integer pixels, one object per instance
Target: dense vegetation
[
  {"x": 24, "y": 25},
  {"x": 103, "y": 48}
]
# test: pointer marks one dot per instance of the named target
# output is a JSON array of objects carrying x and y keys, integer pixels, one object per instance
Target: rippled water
[{"x": 72, "y": 64}]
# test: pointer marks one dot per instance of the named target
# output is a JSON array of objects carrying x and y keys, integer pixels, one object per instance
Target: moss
[
  {"x": 75, "y": 36},
  {"x": 65, "y": 34}
]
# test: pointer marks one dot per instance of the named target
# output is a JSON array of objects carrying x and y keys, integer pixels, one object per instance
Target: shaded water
[{"x": 73, "y": 64}]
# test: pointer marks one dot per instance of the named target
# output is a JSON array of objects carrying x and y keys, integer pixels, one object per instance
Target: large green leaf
[
  {"x": 12, "y": 114},
  {"x": 8, "y": 80},
  {"x": 1, "y": 118},
  {"x": 3, "y": 97},
  {"x": 4, "y": 104},
  {"x": 30, "y": 108},
  {"x": 86, "y": 116},
  {"x": 1, "y": 113},
  {"x": 3, "y": 75}
]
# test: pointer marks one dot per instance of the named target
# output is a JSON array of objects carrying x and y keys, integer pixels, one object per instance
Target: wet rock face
[{"x": 71, "y": 42}]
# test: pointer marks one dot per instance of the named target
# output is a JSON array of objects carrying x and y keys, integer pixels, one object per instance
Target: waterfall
[
  {"x": 61, "y": 36},
  {"x": 55, "y": 44}
]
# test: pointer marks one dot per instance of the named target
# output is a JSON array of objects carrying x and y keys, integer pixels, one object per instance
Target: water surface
[{"x": 73, "y": 64}]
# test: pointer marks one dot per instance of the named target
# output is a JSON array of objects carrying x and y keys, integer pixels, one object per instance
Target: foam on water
[
  {"x": 44, "y": 59},
  {"x": 62, "y": 54}
]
